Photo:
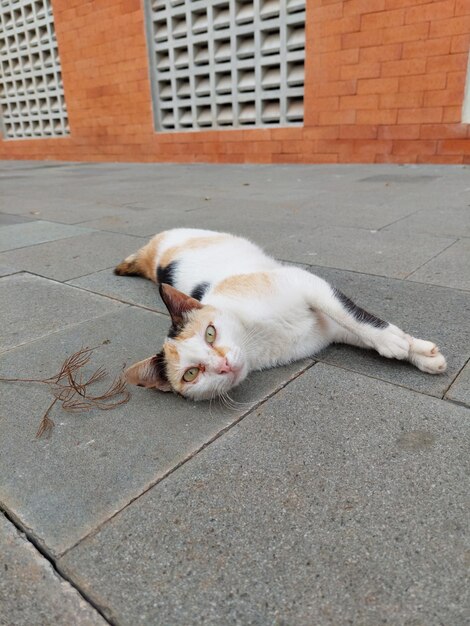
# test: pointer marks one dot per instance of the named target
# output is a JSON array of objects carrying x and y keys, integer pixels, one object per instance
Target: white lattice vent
[
  {"x": 32, "y": 102},
  {"x": 226, "y": 63}
]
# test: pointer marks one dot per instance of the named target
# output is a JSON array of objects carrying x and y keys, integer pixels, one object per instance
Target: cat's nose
[{"x": 224, "y": 367}]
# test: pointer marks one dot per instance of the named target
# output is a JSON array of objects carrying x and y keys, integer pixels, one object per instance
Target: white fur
[{"x": 299, "y": 316}]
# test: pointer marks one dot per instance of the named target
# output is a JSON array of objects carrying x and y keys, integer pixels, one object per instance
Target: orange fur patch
[
  {"x": 258, "y": 283},
  {"x": 147, "y": 257},
  {"x": 195, "y": 243},
  {"x": 143, "y": 262},
  {"x": 221, "y": 351},
  {"x": 171, "y": 353},
  {"x": 172, "y": 359}
]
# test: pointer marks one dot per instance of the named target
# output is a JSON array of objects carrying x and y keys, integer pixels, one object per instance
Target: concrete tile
[
  {"x": 32, "y": 233},
  {"x": 132, "y": 289},
  {"x": 259, "y": 222},
  {"x": 32, "y": 307},
  {"x": 440, "y": 315},
  {"x": 31, "y": 164},
  {"x": 304, "y": 200},
  {"x": 449, "y": 269},
  {"x": 373, "y": 252},
  {"x": 95, "y": 463},
  {"x": 48, "y": 204},
  {"x": 73, "y": 257},
  {"x": 7, "y": 220},
  {"x": 31, "y": 591},
  {"x": 340, "y": 501},
  {"x": 400, "y": 178},
  {"x": 6, "y": 270},
  {"x": 460, "y": 389},
  {"x": 449, "y": 221},
  {"x": 150, "y": 218}
]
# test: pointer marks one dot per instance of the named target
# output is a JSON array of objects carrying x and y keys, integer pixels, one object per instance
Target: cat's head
[{"x": 201, "y": 358}]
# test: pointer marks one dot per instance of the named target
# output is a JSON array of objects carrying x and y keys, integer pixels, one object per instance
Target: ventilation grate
[
  {"x": 226, "y": 63},
  {"x": 32, "y": 102}
]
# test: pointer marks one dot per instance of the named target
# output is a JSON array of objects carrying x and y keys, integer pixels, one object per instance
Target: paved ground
[{"x": 335, "y": 494}]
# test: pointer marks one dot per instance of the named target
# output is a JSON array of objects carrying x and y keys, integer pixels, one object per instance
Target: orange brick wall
[{"x": 384, "y": 83}]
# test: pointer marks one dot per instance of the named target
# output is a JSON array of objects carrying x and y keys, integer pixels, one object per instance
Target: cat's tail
[{"x": 143, "y": 262}]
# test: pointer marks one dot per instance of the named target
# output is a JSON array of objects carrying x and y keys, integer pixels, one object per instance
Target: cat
[{"x": 234, "y": 310}]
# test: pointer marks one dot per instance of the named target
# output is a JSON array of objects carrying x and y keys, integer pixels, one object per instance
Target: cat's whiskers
[
  {"x": 232, "y": 404},
  {"x": 250, "y": 338},
  {"x": 211, "y": 400}
]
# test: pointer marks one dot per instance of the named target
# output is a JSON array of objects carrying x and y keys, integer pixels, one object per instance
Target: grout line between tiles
[
  {"x": 29, "y": 537},
  {"x": 383, "y": 380},
  {"x": 400, "y": 219},
  {"x": 193, "y": 454},
  {"x": 92, "y": 231},
  {"x": 431, "y": 259},
  {"x": 40, "y": 243},
  {"x": 55, "y": 332},
  {"x": 453, "y": 381},
  {"x": 349, "y": 271}
]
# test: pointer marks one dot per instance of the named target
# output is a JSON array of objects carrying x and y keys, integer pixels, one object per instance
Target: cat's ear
[
  {"x": 177, "y": 303},
  {"x": 149, "y": 373}
]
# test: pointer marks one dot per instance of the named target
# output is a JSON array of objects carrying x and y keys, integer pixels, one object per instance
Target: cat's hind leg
[
  {"x": 367, "y": 330},
  {"x": 425, "y": 355},
  {"x": 143, "y": 262}
]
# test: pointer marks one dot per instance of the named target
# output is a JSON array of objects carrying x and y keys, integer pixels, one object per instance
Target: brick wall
[{"x": 381, "y": 86}]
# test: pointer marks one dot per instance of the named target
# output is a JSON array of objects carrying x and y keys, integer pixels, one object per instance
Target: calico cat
[{"x": 234, "y": 310}]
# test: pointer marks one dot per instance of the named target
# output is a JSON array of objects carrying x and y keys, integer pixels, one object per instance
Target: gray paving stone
[
  {"x": 440, "y": 315},
  {"x": 450, "y": 221},
  {"x": 460, "y": 389},
  {"x": 262, "y": 228},
  {"x": 341, "y": 501},
  {"x": 95, "y": 463},
  {"x": 31, "y": 592},
  {"x": 32, "y": 307},
  {"x": 6, "y": 270},
  {"x": 131, "y": 289},
  {"x": 328, "y": 200},
  {"x": 373, "y": 252},
  {"x": 27, "y": 164},
  {"x": 74, "y": 257},
  {"x": 32, "y": 233},
  {"x": 450, "y": 268},
  {"x": 147, "y": 219},
  {"x": 6, "y": 219},
  {"x": 47, "y": 204}
]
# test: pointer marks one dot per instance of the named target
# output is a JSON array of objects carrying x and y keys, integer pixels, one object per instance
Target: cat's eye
[
  {"x": 190, "y": 374},
  {"x": 210, "y": 334}
]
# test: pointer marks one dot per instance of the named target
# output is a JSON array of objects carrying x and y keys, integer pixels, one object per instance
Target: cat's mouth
[{"x": 237, "y": 373}]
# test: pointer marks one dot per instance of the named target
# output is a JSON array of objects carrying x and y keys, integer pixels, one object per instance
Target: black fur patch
[
  {"x": 159, "y": 363},
  {"x": 199, "y": 291},
  {"x": 361, "y": 316},
  {"x": 174, "y": 331},
  {"x": 167, "y": 274}
]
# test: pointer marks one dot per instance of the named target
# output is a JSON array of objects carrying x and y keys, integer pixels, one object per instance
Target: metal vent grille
[
  {"x": 32, "y": 102},
  {"x": 226, "y": 63}
]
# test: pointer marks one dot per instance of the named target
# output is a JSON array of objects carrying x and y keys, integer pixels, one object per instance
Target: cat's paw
[
  {"x": 427, "y": 356},
  {"x": 392, "y": 343}
]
